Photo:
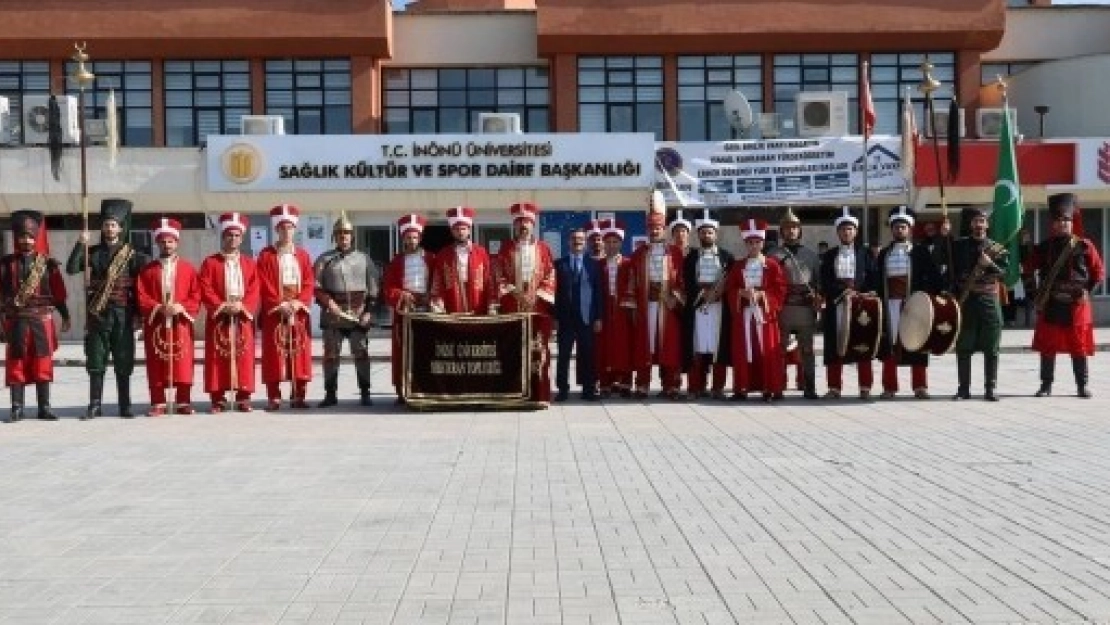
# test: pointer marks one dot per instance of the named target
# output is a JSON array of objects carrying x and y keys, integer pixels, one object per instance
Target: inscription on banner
[{"x": 465, "y": 359}]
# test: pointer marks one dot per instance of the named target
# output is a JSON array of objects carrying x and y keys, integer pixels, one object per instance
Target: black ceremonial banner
[{"x": 467, "y": 361}]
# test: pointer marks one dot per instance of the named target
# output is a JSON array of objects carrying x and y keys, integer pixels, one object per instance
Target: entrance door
[{"x": 436, "y": 236}]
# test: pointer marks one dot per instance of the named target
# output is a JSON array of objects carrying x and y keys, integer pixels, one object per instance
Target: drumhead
[
  {"x": 843, "y": 326},
  {"x": 917, "y": 321}
]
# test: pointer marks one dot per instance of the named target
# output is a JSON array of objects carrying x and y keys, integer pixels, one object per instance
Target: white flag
[
  {"x": 112, "y": 123},
  {"x": 909, "y": 140}
]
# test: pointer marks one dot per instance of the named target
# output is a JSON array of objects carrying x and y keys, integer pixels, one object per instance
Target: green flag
[{"x": 1005, "y": 221}]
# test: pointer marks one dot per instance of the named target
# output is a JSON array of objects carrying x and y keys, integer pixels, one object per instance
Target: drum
[
  {"x": 930, "y": 323},
  {"x": 859, "y": 323}
]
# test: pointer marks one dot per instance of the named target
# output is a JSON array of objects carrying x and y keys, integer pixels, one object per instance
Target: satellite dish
[{"x": 739, "y": 112}]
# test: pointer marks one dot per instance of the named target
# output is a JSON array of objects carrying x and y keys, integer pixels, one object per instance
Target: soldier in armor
[
  {"x": 347, "y": 288},
  {"x": 112, "y": 304},
  {"x": 31, "y": 288},
  {"x": 706, "y": 322},
  {"x": 904, "y": 269},
  {"x": 798, "y": 318},
  {"x": 1069, "y": 267},
  {"x": 977, "y": 266},
  {"x": 407, "y": 279}
]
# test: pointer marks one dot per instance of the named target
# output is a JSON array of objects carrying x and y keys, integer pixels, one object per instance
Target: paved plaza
[{"x": 612, "y": 513}]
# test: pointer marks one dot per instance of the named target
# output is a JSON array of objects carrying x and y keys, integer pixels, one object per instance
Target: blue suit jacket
[{"x": 565, "y": 311}]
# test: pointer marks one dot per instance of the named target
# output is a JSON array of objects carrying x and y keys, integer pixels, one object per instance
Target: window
[
  {"x": 893, "y": 74},
  {"x": 989, "y": 72},
  {"x": 703, "y": 82},
  {"x": 205, "y": 98},
  {"x": 815, "y": 72},
  {"x": 448, "y": 100},
  {"x": 621, "y": 94},
  {"x": 314, "y": 96},
  {"x": 131, "y": 82},
  {"x": 20, "y": 78}
]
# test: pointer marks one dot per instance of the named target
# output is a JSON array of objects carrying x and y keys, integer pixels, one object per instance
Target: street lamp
[
  {"x": 84, "y": 79},
  {"x": 1042, "y": 110}
]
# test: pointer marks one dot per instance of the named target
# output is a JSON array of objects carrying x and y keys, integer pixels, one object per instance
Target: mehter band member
[
  {"x": 407, "y": 280},
  {"x": 707, "y": 320},
  {"x": 798, "y": 319},
  {"x": 614, "y": 362},
  {"x": 462, "y": 277},
  {"x": 756, "y": 289},
  {"x": 31, "y": 289}
]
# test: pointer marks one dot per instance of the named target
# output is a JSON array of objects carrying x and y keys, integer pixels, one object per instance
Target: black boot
[
  {"x": 331, "y": 388},
  {"x": 963, "y": 376},
  {"x": 990, "y": 376},
  {"x": 362, "y": 370},
  {"x": 123, "y": 391},
  {"x": 96, "y": 391},
  {"x": 42, "y": 389},
  {"x": 810, "y": 368},
  {"x": 17, "y": 403},
  {"x": 1048, "y": 371},
  {"x": 1079, "y": 367}
]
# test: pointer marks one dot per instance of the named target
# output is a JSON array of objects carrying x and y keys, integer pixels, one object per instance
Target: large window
[
  {"x": 204, "y": 98},
  {"x": 131, "y": 82},
  {"x": 893, "y": 74},
  {"x": 314, "y": 96},
  {"x": 448, "y": 100},
  {"x": 703, "y": 82},
  {"x": 989, "y": 72},
  {"x": 621, "y": 94},
  {"x": 20, "y": 78},
  {"x": 815, "y": 72}
]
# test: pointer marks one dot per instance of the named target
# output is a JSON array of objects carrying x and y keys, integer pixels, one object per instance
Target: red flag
[{"x": 867, "y": 104}]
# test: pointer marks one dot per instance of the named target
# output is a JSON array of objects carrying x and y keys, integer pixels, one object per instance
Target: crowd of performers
[{"x": 679, "y": 304}]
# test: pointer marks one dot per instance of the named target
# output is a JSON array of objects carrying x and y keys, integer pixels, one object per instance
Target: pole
[
  {"x": 928, "y": 85},
  {"x": 84, "y": 78}
]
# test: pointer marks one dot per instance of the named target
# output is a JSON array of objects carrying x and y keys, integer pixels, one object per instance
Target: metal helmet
[
  {"x": 343, "y": 224},
  {"x": 790, "y": 219}
]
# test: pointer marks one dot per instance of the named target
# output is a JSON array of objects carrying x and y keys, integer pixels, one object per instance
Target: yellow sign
[{"x": 242, "y": 163}]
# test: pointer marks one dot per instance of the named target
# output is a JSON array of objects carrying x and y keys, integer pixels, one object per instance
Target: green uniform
[{"x": 980, "y": 311}]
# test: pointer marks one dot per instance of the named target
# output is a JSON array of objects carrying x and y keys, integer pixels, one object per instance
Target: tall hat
[
  {"x": 753, "y": 228},
  {"x": 284, "y": 213},
  {"x": 411, "y": 221},
  {"x": 611, "y": 228},
  {"x": 901, "y": 213},
  {"x": 679, "y": 221},
  {"x": 167, "y": 227},
  {"x": 594, "y": 227},
  {"x": 706, "y": 222},
  {"x": 657, "y": 219},
  {"x": 658, "y": 202},
  {"x": 460, "y": 215},
  {"x": 1062, "y": 205},
  {"x": 846, "y": 217},
  {"x": 789, "y": 218},
  {"x": 525, "y": 210},
  {"x": 118, "y": 210},
  {"x": 233, "y": 221},
  {"x": 343, "y": 224},
  {"x": 32, "y": 222}
]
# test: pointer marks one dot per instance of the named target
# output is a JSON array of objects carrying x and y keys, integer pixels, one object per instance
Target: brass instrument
[
  {"x": 993, "y": 251},
  {"x": 117, "y": 266},
  {"x": 30, "y": 285}
]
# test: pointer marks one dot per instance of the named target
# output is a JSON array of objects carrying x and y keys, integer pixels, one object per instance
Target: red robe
[
  {"x": 447, "y": 293},
  {"x": 613, "y": 345},
  {"x": 394, "y": 291},
  {"x": 767, "y": 371},
  {"x": 539, "y": 297},
  {"x": 1077, "y": 338},
  {"x": 276, "y": 360},
  {"x": 160, "y": 356},
  {"x": 31, "y": 340},
  {"x": 668, "y": 345},
  {"x": 217, "y": 353}
]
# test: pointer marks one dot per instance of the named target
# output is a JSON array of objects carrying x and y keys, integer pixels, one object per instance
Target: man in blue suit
[{"x": 578, "y": 315}]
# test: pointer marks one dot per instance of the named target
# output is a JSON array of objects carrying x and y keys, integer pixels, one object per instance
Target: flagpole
[
  {"x": 863, "y": 104},
  {"x": 84, "y": 78},
  {"x": 928, "y": 85}
]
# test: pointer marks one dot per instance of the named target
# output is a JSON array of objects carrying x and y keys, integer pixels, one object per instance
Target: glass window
[
  {"x": 703, "y": 82},
  {"x": 621, "y": 94},
  {"x": 20, "y": 78},
  {"x": 448, "y": 100},
  {"x": 220, "y": 96},
  {"x": 313, "y": 95},
  {"x": 989, "y": 72},
  {"x": 892, "y": 75}
]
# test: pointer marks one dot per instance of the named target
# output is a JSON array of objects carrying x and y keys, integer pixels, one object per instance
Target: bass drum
[
  {"x": 859, "y": 323},
  {"x": 930, "y": 323}
]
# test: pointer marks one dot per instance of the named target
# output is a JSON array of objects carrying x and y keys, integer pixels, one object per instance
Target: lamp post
[
  {"x": 1042, "y": 110},
  {"x": 84, "y": 79}
]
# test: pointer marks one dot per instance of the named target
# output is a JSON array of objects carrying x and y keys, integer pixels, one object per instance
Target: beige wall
[
  {"x": 1047, "y": 33},
  {"x": 441, "y": 39},
  {"x": 1076, "y": 91}
]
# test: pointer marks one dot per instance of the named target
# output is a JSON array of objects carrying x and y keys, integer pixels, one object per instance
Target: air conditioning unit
[
  {"x": 262, "y": 125},
  {"x": 988, "y": 122},
  {"x": 36, "y": 119},
  {"x": 942, "y": 124},
  {"x": 498, "y": 123},
  {"x": 5, "y": 122},
  {"x": 770, "y": 125},
  {"x": 822, "y": 113},
  {"x": 96, "y": 130}
]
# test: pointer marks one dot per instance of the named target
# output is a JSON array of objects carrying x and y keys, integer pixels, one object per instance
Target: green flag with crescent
[{"x": 1005, "y": 220}]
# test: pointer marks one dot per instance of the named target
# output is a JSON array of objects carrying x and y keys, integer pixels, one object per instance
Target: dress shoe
[
  {"x": 273, "y": 405},
  {"x": 865, "y": 395},
  {"x": 365, "y": 400},
  {"x": 589, "y": 396},
  {"x": 157, "y": 410},
  {"x": 719, "y": 395},
  {"x": 243, "y": 405},
  {"x": 16, "y": 414},
  {"x": 125, "y": 412},
  {"x": 961, "y": 395},
  {"x": 93, "y": 411},
  {"x": 562, "y": 396},
  {"x": 400, "y": 401},
  {"x": 921, "y": 393},
  {"x": 299, "y": 404},
  {"x": 329, "y": 400},
  {"x": 989, "y": 395},
  {"x": 766, "y": 398},
  {"x": 1084, "y": 392},
  {"x": 887, "y": 395},
  {"x": 185, "y": 409},
  {"x": 1044, "y": 391},
  {"x": 833, "y": 393},
  {"x": 46, "y": 414},
  {"x": 219, "y": 406},
  {"x": 811, "y": 395},
  {"x": 739, "y": 397}
]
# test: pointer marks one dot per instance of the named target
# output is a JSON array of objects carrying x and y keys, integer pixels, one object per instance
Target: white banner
[
  {"x": 429, "y": 162},
  {"x": 779, "y": 171}
]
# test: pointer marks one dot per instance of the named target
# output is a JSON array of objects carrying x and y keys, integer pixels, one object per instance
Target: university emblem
[{"x": 241, "y": 163}]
